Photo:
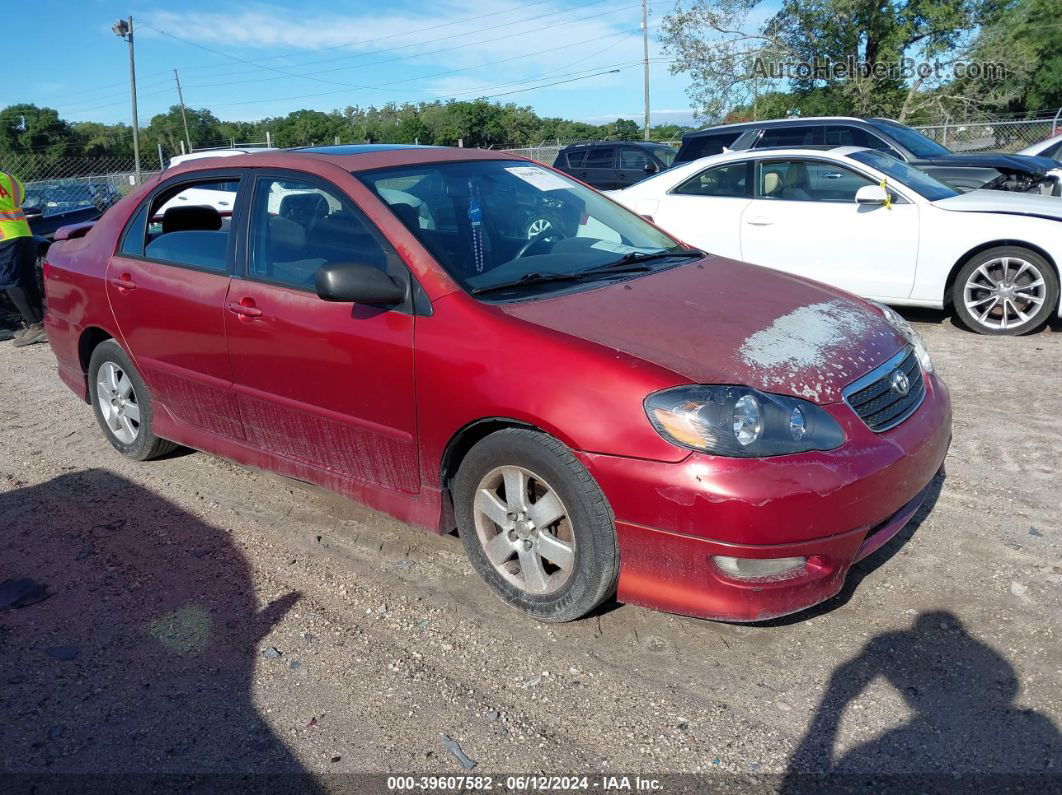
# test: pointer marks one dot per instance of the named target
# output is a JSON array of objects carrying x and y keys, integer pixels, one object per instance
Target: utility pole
[
  {"x": 645, "y": 60},
  {"x": 184, "y": 116},
  {"x": 123, "y": 29}
]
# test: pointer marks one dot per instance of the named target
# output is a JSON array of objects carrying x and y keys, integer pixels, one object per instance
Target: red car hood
[{"x": 725, "y": 322}]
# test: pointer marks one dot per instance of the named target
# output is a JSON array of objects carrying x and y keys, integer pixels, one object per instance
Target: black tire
[
  {"x": 992, "y": 325},
  {"x": 593, "y": 576},
  {"x": 146, "y": 445}
]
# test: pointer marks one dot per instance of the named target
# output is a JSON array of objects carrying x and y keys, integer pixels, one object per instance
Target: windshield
[
  {"x": 665, "y": 154},
  {"x": 914, "y": 178},
  {"x": 500, "y": 222},
  {"x": 915, "y": 143}
]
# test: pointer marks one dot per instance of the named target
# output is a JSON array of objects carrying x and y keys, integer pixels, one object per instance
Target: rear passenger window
[
  {"x": 576, "y": 158},
  {"x": 189, "y": 226},
  {"x": 698, "y": 146},
  {"x": 601, "y": 157},
  {"x": 803, "y": 135},
  {"x": 725, "y": 180},
  {"x": 298, "y": 226}
]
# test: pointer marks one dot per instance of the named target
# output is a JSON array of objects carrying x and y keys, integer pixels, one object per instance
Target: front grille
[{"x": 876, "y": 401}]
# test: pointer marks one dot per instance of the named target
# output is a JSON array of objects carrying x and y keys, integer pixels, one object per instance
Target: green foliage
[
  {"x": 479, "y": 123},
  {"x": 718, "y": 44}
]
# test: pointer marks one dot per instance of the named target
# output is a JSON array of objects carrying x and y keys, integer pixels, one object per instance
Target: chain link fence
[
  {"x": 991, "y": 135},
  {"x": 73, "y": 177}
]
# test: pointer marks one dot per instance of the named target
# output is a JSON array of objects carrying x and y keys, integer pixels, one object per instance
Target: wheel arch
[
  {"x": 973, "y": 252},
  {"x": 90, "y": 339},
  {"x": 467, "y": 436}
]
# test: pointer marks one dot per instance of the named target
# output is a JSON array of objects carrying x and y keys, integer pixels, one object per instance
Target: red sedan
[{"x": 463, "y": 339}]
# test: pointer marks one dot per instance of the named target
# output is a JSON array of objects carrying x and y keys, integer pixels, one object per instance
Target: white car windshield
[
  {"x": 498, "y": 225},
  {"x": 914, "y": 178}
]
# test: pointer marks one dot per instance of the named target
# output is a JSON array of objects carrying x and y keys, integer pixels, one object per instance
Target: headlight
[
  {"x": 909, "y": 334},
  {"x": 741, "y": 422}
]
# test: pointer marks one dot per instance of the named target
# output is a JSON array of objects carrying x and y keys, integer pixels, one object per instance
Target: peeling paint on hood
[
  {"x": 808, "y": 349},
  {"x": 726, "y": 322}
]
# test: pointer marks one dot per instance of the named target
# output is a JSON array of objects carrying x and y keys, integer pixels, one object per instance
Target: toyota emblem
[{"x": 899, "y": 383}]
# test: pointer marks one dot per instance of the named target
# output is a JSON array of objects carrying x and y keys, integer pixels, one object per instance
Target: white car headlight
[{"x": 909, "y": 334}]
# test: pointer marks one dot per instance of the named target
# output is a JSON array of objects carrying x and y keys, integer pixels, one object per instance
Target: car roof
[
  {"x": 617, "y": 143},
  {"x": 770, "y": 152},
  {"x": 755, "y": 125},
  {"x": 350, "y": 158}
]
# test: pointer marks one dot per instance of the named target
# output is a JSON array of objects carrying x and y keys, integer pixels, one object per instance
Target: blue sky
[{"x": 246, "y": 60}]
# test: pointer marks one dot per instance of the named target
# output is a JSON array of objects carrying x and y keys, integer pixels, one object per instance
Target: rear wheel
[
  {"x": 535, "y": 525},
  {"x": 122, "y": 404},
  {"x": 1007, "y": 290}
]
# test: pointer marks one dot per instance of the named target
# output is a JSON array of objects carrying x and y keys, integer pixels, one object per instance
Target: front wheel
[
  {"x": 535, "y": 525},
  {"x": 122, "y": 404},
  {"x": 1007, "y": 290}
]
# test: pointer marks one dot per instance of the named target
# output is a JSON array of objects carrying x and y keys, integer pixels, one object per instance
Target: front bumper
[{"x": 833, "y": 508}]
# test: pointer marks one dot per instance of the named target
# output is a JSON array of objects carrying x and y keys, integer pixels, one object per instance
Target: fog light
[{"x": 750, "y": 568}]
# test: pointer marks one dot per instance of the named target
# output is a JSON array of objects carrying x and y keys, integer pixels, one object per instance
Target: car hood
[
  {"x": 718, "y": 321},
  {"x": 1007, "y": 202},
  {"x": 1019, "y": 164}
]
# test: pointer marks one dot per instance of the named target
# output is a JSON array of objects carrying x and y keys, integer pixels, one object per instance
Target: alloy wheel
[
  {"x": 524, "y": 529},
  {"x": 1005, "y": 292},
  {"x": 537, "y": 227},
  {"x": 117, "y": 402}
]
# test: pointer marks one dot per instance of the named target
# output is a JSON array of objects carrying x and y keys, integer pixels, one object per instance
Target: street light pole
[
  {"x": 645, "y": 60},
  {"x": 124, "y": 30}
]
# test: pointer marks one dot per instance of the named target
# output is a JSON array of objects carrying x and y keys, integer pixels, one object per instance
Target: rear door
[
  {"x": 167, "y": 286},
  {"x": 705, "y": 210},
  {"x": 320, "y": 383}
]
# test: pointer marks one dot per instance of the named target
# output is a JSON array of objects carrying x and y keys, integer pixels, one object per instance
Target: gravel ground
[{"x": 227, "y": 620}]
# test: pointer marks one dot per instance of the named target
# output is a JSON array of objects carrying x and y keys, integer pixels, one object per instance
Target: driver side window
[{"x": 299, "y": 226}]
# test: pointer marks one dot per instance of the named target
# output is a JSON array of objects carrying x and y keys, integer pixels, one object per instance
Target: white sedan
[
  {"x": 1052, "y": 148},
  {"x": 870, "y": 224}
]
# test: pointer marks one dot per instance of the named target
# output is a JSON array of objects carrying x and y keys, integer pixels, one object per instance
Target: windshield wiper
[
  {"x": 543, "y": 278},
  {"x": 638, "y": 256}
]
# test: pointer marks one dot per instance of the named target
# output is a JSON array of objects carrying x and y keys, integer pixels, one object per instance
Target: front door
[
  {"x": 166, "y": 286},
  {"x": 805, "y": 220},
  {"x": 324, "y": 384},
  {"x": 599, "y": 168}
]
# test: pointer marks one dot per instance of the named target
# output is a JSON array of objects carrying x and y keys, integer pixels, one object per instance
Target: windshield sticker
[
  {"x": 539, "y": 177},
  {"x": 621, "y": 248}
]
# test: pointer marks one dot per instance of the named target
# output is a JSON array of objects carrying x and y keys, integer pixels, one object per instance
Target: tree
[
  {"x": 27, "y": 129},
  {"x": 167, "y": 128},
  {"x": 843, "y": 56}
]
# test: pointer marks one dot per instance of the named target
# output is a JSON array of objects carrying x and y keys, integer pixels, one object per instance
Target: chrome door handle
[
  {"x": 760, "y": 221},
  {"x": 832, "y": 175}
]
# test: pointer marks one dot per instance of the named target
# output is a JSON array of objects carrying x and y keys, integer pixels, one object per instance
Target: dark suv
[
  {"x": 608, "y": 165},
  {"x": 962, "y": 171}
]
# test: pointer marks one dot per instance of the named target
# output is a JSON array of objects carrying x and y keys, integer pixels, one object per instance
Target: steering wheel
[{"x": 534, "y": 240}]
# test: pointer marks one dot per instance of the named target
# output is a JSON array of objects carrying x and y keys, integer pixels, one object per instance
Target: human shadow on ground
[
  {"x": 142, "y": 662},
  {"x": 965, "y": 731}
]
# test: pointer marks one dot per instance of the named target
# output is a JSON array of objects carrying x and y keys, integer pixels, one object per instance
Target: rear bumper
[{"x": 833, "y": 508}]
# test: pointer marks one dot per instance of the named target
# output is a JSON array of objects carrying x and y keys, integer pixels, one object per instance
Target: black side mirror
[
  {"x": 649, "y": 168},
  {"x": 346, "y": 282}
]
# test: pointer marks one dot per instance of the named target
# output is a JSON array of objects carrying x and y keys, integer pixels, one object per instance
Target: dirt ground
[{"x": 225, "y": 620}]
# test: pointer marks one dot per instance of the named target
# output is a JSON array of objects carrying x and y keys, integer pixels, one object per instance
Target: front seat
[
  {"x": 795, "y": 183},
  {"x": 771, "y": 183}
]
